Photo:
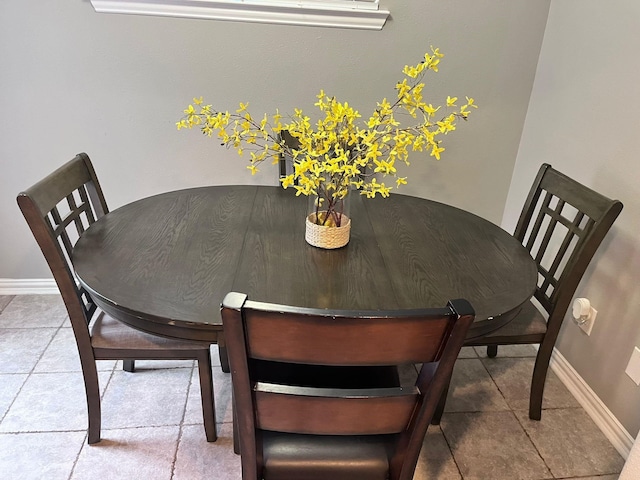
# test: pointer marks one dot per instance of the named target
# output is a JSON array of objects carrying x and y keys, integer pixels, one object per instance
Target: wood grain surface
[{"x": 163, "y": 264}]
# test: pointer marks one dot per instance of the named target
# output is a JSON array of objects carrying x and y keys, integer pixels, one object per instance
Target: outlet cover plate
[
  {"x": 633, "y": 369},
  {"x": 588, "y": 325}
]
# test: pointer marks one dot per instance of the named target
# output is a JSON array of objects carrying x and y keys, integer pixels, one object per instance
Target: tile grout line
[
  {"x": 181, "y": 424},
  {"x": 446, "y": 440}
]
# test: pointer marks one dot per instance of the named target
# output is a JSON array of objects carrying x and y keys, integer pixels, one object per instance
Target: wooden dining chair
[
  {"x": 58, "y": 209},
  {"x": 561, "y": 225},
  {"x": 317, "y": 392}
]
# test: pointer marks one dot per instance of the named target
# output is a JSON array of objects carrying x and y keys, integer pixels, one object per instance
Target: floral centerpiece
[{"x": 339, "y": 153}]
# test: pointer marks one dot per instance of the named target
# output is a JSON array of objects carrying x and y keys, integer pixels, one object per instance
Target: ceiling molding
[{"x": 337, "y": 14}]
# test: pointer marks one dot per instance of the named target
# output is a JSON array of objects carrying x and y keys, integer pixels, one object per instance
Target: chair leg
[
  {"x": 437, "y": 415},
  {"x": 236, "y": 434},
  {"x": 92, "y": 392},
  {"x": 538, "y": 381},
  {"x": 206, "y": 393},
  {"x": 492, "y": 351},
  {"x": 129, "y": 365}
]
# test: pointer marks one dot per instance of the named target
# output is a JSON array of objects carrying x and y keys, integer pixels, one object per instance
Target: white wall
[
  {"x": 583, "y": 119},
  {"x": 113, "y": 85}
]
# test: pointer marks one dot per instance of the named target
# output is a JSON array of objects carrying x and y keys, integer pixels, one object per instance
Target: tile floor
[{"x": 152, "y": 418}]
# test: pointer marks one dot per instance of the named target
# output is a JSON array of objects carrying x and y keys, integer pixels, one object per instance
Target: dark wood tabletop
[{"x": 163, "y": 264}]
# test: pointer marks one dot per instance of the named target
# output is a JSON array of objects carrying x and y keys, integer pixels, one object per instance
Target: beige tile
[
  {"x": 32, "y": 311},
  {"x": 467, "y": 352},
  {"x": 62, "y": 355},
  {"x": 4, "y": 301},
  {"x": 145, "y": 398},
  {"x": 571, "y": 443},
  {"x": 513, "y": 377},
  {"x": 199, "y": 459},
  {"x": 130, "y": 453},
  {"x": 435, "y": 460},
  {"x": 50, "y": 402},
  {"x": 215, "y": 355},
  {"x": 472, "y": 389},
  {"x": 492, "y": 445},
  {"x": 222, "y": 392},
  {"x": 21, "y": 348},
  {"x": 37, "y": 456},
  {"x": 10, "y": 384}
]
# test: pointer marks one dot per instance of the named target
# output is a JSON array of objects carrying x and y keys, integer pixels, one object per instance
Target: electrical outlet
[
  {"x": 633, "y": 369},
  {"x": 587, "y": 326}
]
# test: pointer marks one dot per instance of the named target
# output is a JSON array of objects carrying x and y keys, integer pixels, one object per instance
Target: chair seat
[
  {"x": 528, "y": 326},
  {"x": 313, "y": 457},
  {"x": 107, "y": 333}
]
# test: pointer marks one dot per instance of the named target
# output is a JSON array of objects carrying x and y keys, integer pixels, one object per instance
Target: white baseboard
[
  {"x": 14, "y": 286},
  {"x": 598, "y": 411}
]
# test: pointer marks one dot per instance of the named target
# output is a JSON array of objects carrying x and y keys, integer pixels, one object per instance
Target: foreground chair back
[
  {"x": 306, "y": 405},
  {"x": 58, "y": 209},
  {"x": 562, "y": 224}
]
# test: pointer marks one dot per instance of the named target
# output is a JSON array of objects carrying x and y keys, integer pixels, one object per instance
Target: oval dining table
[{"x": 164, "y": 263}]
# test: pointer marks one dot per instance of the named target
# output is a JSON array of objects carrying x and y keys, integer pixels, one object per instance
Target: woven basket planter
[{"x": 327, "y": 237}]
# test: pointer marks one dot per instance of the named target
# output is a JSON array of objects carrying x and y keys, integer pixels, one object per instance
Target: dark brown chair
[
  {"x": 562, "y": 224},
  {"x": 58, "y": 209},
  {"x": 317, "y": 392}
]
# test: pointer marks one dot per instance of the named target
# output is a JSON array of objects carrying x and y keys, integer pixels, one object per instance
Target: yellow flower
[
  {"x": 402, "y": 88},
  {"x": 435, "y": 152},
  {"x": 338, "y": 151},
  {"x": 430, "y": 110},
  {"x": 384, "y": 167},
  {"x": 287, "y": 181}
]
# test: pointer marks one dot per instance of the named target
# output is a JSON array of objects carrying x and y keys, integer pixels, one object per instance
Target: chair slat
[
  {"x": 334, "y": 411},
  {"x": 339, "y": 341}
]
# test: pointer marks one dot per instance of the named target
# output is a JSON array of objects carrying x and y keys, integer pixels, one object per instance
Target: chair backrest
[
  {"x": 256, "y": 332},
  {"x": 285, "y": 161},
  {"x": 58, "y": 209},
  {"x": 562, "y": 224}
]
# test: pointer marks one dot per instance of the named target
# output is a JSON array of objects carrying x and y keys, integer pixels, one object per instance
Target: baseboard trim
[
  {"x": 595, "y": 408},
  {"x": 14, "y": 286}
]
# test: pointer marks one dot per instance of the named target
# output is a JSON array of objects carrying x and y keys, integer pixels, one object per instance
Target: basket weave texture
[{"x": 327, "y": 237}]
